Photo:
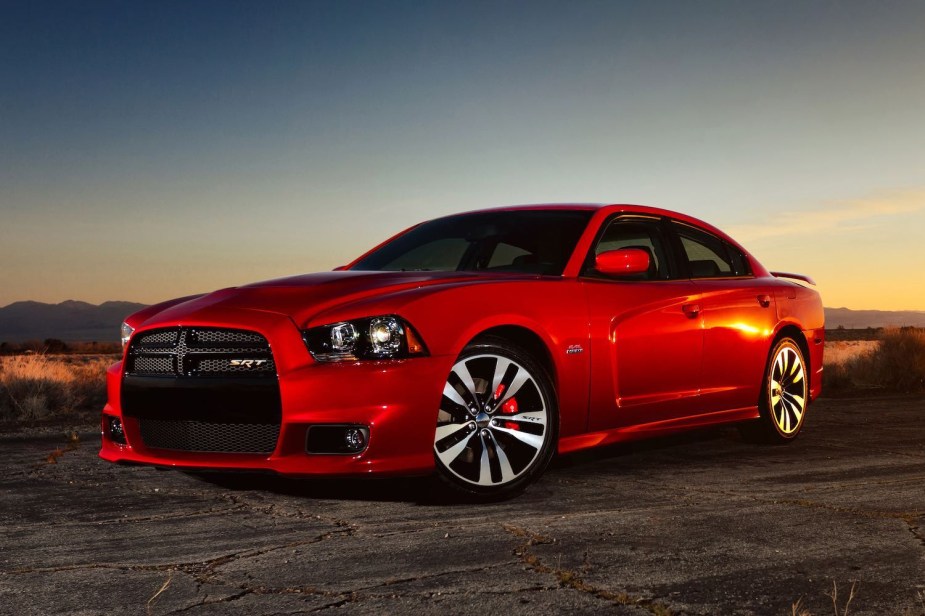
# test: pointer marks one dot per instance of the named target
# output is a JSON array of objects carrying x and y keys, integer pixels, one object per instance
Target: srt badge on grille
[{"x": 247, "y": 363}]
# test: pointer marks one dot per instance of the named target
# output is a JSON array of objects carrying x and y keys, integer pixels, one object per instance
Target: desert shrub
[
  {"x": 897, "y": 364},
  {"x": 42, "y": 387}
]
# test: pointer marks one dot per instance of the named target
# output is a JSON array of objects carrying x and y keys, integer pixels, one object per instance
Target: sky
[{"x": 150, "y": 150}]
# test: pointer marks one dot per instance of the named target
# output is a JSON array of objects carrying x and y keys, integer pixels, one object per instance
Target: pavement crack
[
  {"x": 202, "y": 572},
  {"x": 912, "y": 524},
  {"x": 568, "y": 578},
  {"x": 273, "y": 510},
  {"x": 907, "y": 517},
  {"x": 419, "y": 578},
  {"x": 207, "y": 601}
]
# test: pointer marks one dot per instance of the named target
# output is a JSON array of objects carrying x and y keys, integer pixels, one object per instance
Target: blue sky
[{"x": 155, "y": 149}]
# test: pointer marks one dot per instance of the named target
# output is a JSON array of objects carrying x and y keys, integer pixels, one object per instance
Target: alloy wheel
[
  {"x": 493, "y": 422},
  {"x": 787, "y": 391}
]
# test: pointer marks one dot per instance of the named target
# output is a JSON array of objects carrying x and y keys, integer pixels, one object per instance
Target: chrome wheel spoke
[
  {"x": 447, "y": 430},
  {"x": 531, "y": 418},
  {"x": 450, "y": 455},
  {"x": 533, "y": 440},
  {"x": 507, "y": 473},
  {"x": 501, "y": 367},
  {"x": 462, "y": 371},
  {"x": 521, "y": 377},
  {"x": 450, "y": 392},
  {"x": 484, "y": 465}
]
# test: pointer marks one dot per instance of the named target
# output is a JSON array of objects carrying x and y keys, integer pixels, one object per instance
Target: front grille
[
  {"x": 209, "y": 437},
  {"x": 203, "y": 389},
  {"x": 200, "y": 351}
]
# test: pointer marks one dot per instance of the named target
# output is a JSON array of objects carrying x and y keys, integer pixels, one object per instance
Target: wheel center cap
[{"x": 482, "y": 419}]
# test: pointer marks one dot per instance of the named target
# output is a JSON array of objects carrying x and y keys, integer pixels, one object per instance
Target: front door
[{"x": 646, "y": 333}]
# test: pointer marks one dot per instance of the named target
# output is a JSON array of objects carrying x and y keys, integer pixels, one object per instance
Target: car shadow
[{"x": 428, "y": 491}]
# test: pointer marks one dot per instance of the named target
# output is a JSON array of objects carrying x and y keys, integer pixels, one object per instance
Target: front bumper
[{"x": 397, "y": 400}]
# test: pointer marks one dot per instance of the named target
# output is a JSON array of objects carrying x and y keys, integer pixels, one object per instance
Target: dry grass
[
  {"x": 44, "y": 388},
  {"x": 896, "y": 364},
  {"x": 841, "y": 351}
]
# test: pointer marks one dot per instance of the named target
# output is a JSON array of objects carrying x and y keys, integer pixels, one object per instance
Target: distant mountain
[
  {"x": 861, "y": 319},
  {"x": 69, "y": 321}
]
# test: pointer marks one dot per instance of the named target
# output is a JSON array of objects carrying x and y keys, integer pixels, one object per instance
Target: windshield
[{"x": 526, "y": 241}]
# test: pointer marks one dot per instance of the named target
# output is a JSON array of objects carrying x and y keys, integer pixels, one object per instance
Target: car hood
[{"x": 302, "y": 297}]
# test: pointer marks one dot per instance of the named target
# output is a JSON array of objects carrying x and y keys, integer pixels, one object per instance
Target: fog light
[
  {"x": 114, "y": 430},
  {"x": 336, "y": 439},
  {"x": 354, "y": 439}
]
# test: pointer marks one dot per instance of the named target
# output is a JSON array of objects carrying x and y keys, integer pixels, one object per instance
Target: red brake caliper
[{"x": 508, "y": 408}]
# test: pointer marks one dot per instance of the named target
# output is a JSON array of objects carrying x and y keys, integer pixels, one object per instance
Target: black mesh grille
[
  {"x": 157, "y": 338},
  {"x": 154, "y": 364},
  {"x": 209, "y": 437},
  {"x": 199, "y": 351},
  {"x": 225, "y": 337}
]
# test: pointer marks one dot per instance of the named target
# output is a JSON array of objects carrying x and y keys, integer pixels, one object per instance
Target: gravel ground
[{"x": 697, "y": 524}]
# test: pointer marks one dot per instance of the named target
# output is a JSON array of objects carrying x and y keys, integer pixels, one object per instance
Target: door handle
[
  {"x": 691, "y": 310},
  {"x": 764, "y": 300}
]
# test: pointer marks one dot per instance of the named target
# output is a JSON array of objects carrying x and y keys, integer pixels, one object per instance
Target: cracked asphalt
[{"x": 698, "y": 524}]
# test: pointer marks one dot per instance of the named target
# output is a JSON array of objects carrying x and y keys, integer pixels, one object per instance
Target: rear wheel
[
  {"x": 497, "y": 422},
  {"x": 784, "y": 395}
]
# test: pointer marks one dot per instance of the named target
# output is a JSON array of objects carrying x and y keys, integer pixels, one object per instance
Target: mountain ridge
[{"x": 70, "y": 320}]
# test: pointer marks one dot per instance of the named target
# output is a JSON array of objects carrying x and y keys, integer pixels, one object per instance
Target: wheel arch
[{"x": 530, "y": 341}]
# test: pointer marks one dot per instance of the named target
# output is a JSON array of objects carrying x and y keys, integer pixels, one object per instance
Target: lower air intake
[{"x": 207, "y": 437}]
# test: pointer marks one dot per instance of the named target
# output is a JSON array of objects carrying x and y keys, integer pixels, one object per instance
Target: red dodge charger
[{"x": 474, "y": 346}]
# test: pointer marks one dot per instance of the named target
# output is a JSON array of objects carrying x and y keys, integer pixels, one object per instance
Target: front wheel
[
  {"x": 497, "y": 422},
  {"x": 784, "y": 395}
]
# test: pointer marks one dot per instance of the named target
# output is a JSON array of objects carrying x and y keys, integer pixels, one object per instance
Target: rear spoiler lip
[{"x": 800, "y": 277}]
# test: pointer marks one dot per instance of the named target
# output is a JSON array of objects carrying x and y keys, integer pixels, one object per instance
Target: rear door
[{"x": 739, "y": 316}]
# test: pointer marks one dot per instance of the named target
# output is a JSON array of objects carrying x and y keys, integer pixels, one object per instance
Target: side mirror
[{"x": 623, "y": 262}]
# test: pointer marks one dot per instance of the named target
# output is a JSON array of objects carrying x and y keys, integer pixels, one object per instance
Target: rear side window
[{"x": 708, "y": 256}]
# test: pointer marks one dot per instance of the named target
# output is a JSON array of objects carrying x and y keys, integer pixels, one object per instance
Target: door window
[{"x": 631, "y": 232}]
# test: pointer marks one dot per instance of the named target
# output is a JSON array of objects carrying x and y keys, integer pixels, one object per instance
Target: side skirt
[{"x": 588, "y": 440}]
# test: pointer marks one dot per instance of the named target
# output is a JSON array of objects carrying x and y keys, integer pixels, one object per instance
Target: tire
[
  {"x": 497, "y": 426},
  {"x": 784, "y": 396}
]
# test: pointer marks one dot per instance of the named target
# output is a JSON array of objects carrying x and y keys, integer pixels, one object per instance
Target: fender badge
[{"x": 574, "y": 349}]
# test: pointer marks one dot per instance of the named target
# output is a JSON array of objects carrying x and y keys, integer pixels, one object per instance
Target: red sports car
[{"x": 477, "y": 346}]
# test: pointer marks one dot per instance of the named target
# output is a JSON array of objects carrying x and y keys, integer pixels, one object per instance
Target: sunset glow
[{"x": 153, "y": 150}]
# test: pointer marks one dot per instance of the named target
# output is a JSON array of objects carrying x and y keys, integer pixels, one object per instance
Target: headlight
[
  {"x": 127, "y": 331},
  {"x": 384, "y": 337}
]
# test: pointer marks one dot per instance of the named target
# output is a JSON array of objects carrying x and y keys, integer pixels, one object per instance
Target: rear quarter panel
[{"x": 801, "y": 306}]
